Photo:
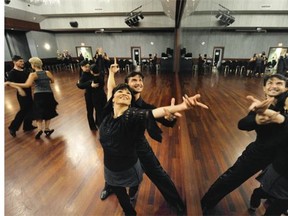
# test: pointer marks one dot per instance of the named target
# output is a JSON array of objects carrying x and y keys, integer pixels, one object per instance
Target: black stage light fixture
[
  {"x": 7, "y": 1},
  {"x": 218, "y": 14},
  {"x": 133, "y": 19},
  {"x": 224, "y": 17},
  {"x": 128, "y": 21}
]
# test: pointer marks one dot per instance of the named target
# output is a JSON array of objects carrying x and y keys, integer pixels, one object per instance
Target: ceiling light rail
[
  {"x": 224, "y": 16},
  {"x": 134, "y": 17},
  {"x": 40, "y": 2}
]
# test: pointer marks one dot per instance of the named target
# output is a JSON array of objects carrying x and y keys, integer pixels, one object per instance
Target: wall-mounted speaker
[{"x": 74, "y": 24}]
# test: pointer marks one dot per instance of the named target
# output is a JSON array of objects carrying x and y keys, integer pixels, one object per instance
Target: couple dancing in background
[{"x": 42, "y": 107}]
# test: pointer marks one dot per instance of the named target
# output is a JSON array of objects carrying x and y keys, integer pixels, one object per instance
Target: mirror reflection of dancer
[
  {"x": 258, "y": 154},
  {"x": 274, "y": 179}
]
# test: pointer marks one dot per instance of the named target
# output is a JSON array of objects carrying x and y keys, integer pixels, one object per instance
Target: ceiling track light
[
  {"x": 134, "y": 17},
  {"x": 224, "y": 17},
  {"x": 40, "y": 2}
]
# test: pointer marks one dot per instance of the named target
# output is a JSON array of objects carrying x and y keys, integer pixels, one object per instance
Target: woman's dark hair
[{"x": 109, "y": 105}]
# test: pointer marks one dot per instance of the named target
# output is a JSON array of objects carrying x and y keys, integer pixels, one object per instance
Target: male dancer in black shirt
[
  {"x": 149, "y": 161},
  {"x": 274, "y": 179},
  {"x": 19, "y": 75},
  {"x": 95, "y": 98},
  {"x": 259, "y": 153}
]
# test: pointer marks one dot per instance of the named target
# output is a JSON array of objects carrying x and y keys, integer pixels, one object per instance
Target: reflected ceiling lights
[
  {"x": 39, "y": 2},
  {"x": 133, "y": 19},
  {"x": 224, "y": 16}
]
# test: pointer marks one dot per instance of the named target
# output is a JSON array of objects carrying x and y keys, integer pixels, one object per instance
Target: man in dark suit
[
  {"x": 258, "y": 154},
  {"x": 19, "y": 75}
]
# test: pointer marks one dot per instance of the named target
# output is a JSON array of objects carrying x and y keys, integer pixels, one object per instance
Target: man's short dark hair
[
  {"x": 95, "y": 68},
  {"x": 16, "y": 58},
  {"x": 278, "y": 76},
  {"x": 133, "y": 74},
  {"x": 84, "y": 62}
]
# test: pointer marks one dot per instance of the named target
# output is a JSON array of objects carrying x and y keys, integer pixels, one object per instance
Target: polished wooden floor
[{"x": 63, "y": 175}]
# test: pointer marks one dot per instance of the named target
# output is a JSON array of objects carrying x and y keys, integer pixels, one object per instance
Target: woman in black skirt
[
  {"x": 121, "y": 127},
  {"x": 44, "y": 105}
]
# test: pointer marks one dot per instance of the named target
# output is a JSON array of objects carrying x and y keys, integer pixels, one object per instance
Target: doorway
[
  {"x": 136, "y": 56},
  {"x": 218, "y": 53}
]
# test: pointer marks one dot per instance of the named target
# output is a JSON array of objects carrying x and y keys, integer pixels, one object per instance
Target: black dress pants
[
  {"x": 94, "y": 106},
  {"x": 159, "y": 177},
  {"x": 124, "y": 200},
  {"x": 24, "y": 115},
  {"x": 249, "y": 163},
  {"x": 99, "y": 101},
  {"x": 277, "y": 207},
  {"x": 91, "y": 111}
]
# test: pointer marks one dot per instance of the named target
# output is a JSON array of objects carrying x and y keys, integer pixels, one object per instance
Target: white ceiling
[{"x": 93, "y": 15}]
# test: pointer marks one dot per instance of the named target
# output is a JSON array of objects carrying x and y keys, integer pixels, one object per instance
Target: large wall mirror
[
  {"x": 275, "y": 53},
  {"x": 85, "y": 51},
  {"x": 136, "y": 55},
  {"x": 218, "y": 53}
]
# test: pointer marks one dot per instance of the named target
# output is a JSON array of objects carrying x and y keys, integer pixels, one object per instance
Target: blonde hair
[{"x": 37, "y": 62}]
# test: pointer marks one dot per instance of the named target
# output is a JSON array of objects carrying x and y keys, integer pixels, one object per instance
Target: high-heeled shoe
[
  {"x": 48, "y": 132},
  {"x": 39, "y": 133}
]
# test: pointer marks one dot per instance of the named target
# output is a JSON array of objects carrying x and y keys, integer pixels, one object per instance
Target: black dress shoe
[
  {"x": 37, "y": 136},
  {"x": 48, "y": 132},
  {"x": 30, "y": 128},
  {"x": 132, "y": 198},
  {"x": 181, "y": 210},
  {"x": 207, "y": 210},
  {"x": 12, "y": 132},
  {"x": 105, "y": 193}
]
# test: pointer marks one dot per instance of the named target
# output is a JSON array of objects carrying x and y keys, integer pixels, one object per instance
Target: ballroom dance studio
[{"x": 219, "y": 49}]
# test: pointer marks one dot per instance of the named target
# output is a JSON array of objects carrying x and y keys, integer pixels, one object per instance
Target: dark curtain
[{"x": 18, "y": 44}]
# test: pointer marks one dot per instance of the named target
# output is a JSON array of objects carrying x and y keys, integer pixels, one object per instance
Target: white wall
[
  {"x": 117, "y": 44},
  {"x": 37, "y": 42},
  {"x": 237, "y": 44}
]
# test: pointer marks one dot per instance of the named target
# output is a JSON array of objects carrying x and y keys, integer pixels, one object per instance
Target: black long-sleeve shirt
[
  {"x": 85, "y": 83},
  {"x": 118, "y": 135},
  {"x": 140, "y": 103},
  {"x": 142, "y": 145},
  {"x": 269, "y": 136},
  {"x": 272, "y": 139},
  {"x": 19, "y": 77}
]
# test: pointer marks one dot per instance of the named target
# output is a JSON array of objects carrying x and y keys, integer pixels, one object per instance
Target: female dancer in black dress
[{"x": 121, "y": 126}]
